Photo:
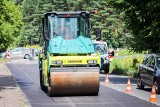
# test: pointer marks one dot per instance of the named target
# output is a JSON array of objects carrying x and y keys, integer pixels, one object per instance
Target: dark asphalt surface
[{"x": 27, "y": 76}]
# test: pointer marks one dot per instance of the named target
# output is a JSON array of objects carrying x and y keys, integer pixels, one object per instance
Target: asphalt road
[
  {"x": 27, "y": 76},
  {"x": 119, "y": 83}
]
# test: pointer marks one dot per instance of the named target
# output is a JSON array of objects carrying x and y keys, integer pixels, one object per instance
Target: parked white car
[
  {"x": 102, "y": 48},
  {"x": 21, "y": 53}
]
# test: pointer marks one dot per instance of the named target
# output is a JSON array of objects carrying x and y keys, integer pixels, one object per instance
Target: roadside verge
[{"x": 10, "y": 93}]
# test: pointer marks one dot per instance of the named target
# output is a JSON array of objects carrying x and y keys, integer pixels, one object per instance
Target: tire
[
  {"x": 139, "y": 83},
  {"x": 26, "y": 56},
  {"x": 41, "y": 80},
  {"x": 49, "y": 91},
  {"x": 157, "y": 87},
  {"x": 106, "y": 71},
  {"x": 49, "y": 87}
]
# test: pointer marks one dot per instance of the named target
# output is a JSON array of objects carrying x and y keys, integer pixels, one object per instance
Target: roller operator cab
[
  {"x": 102, "y": 48},
  {"x": 67, "y": 65}
]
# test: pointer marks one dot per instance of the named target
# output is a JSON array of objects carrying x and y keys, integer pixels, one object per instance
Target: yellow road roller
[{"x": 68, "y": 64}]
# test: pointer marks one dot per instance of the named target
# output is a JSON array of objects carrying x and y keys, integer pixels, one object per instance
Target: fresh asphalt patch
[{"x": 26, "y": 74}]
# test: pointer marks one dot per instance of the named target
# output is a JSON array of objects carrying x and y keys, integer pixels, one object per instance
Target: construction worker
[
  {"x": 68, "y": 33},
  {"x": 111, "y": 54}
]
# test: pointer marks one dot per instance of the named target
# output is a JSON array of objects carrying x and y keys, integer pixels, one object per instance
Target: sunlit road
[{"x": 27, "y": 76}]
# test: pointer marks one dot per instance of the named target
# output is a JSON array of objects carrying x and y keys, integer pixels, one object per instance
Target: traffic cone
[
  {"x": 128, "y": 89},
  {"x": 153, "y": 95},
  {"x": 8, "y": 55},
  {"x": 106, "y": 80}
]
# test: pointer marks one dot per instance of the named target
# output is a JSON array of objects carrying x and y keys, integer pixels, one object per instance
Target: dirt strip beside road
[{"x": 10, "y": 94}]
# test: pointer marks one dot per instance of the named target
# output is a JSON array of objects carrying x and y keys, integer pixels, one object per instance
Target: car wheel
[
  {"x": 106, "y": 70},
  {"x": 157, "y": 87},
  {"x": 26, "y": 56},
  {"x": 139, "y": 83}
]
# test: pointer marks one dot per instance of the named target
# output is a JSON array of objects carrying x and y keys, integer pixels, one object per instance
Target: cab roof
[{"x": 78, "y": 13}]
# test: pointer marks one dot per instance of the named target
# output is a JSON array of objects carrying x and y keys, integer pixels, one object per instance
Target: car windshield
[
  {"x": 68, "y": 27},
  {"x": 102, "y": 48},
  {"x": 158, "y": 62}
]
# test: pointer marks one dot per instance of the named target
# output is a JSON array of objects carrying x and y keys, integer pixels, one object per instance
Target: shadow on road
[
  {"x": 24, "y": 84},
  {"x": 147, "y": 89},
  {"x": 114, "y": 79},
  {"x": 6, "y": 82}
]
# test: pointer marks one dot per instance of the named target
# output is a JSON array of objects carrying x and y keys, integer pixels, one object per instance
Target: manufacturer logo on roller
[{"x": 74, "y": 61}]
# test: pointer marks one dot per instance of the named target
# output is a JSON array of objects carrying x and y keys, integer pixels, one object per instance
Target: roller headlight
[
  {"x": 57, "y": 62},
  {"x": 92, "y": 61}
]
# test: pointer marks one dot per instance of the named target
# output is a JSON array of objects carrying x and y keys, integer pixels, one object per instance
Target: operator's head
[
  {"x": 67, "y": 28},
  {"x": 67, "y": 21},
  {"x": 68, "y": 33}
]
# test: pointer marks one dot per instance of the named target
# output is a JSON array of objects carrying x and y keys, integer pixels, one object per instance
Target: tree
[
  {"x": 10, "y": 24},
  {"x": 108, "y": 19},
  {"x": 142, "y": 18},
  {"x": 32, "y": 16}
]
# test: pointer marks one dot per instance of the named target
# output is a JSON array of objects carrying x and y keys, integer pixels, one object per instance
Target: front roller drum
[{"x": 74, "y": 83}]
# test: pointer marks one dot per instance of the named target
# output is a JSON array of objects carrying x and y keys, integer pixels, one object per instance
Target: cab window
[
  {"x": 152, "y": 63},
  {"x": 147, "y": 60}
]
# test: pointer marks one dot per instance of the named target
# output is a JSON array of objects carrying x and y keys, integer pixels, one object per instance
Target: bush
[
  {"x": 126, "y": 66},
  {"x": 125, "y": 52}
]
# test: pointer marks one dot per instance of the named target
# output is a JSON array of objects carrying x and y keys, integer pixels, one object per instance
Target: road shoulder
[
  {"x": 10, "y": 93},
  {"x": 119, "y": 83}
]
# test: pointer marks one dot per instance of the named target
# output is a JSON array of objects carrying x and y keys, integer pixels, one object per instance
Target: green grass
[
  {"x": 24, "y": 103},
  {"x": 28, "y": 46},
  {"x": 34, "y": 46},
  {"x": 127, "y": 65},
  {"x": 2, "y": 60},
  {"x": 125, "y": 52}
]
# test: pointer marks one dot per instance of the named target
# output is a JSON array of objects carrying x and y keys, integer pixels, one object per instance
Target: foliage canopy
[
  {"x": 124, "y": 23},
  {"x": 142, "y": 18},
  {"x": 10, "y": 23}
]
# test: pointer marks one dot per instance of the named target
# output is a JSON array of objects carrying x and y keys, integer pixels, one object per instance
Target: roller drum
[{"x": 81, "y": 82}]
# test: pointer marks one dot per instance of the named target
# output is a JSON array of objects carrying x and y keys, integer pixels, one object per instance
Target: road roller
[{"x": 68, "y": 64}]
